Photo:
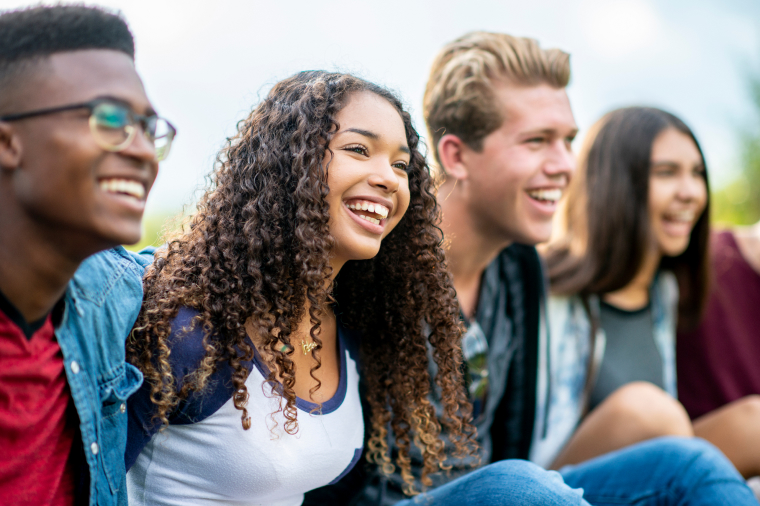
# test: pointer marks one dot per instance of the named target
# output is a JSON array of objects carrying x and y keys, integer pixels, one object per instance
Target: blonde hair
[{"x": 459, "y": 97}]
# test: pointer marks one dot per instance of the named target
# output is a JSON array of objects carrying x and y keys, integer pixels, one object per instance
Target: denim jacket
[
  {"x": 570, "y": 346},
  {"x": 102, "y": 302}
]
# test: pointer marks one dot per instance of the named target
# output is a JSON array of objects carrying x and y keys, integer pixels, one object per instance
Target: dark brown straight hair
[{"x": 606, "y": 220}]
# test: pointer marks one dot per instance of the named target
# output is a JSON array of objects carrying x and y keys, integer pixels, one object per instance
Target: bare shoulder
[{"x": 748, "y": 240}]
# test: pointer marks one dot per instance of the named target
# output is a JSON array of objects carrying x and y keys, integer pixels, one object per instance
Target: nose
[
  {"x": 141, "y": 146},
  {"x": 561, "y": 161},
  {"x": 384, "y": 177},
  {"x": 691, "y": 187}
]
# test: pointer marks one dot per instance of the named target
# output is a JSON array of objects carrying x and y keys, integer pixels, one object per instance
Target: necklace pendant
[{"x": 307, "y": 347}]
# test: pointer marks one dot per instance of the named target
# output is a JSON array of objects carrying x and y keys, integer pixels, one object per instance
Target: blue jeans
[{"x": 665, "y": 471}]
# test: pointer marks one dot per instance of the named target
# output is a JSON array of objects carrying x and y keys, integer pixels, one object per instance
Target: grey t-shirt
[{"x": 630, "y": 353}]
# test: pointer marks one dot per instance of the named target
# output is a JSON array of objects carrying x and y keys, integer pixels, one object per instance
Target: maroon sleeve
[{"x": 718, "y": 362}]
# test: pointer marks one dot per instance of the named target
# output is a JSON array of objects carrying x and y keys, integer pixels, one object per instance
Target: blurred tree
[
  {"x": 156, "y": 227},
  {"x": 738, "y": 203}
]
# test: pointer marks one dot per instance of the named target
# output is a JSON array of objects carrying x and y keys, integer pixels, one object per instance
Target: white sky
[{"x": 205, "y": 64}]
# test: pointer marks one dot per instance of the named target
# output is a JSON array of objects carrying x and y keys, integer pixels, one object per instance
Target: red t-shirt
[
  {"x": 38, "y": 422},
  {"x": 719, "y": 362}
]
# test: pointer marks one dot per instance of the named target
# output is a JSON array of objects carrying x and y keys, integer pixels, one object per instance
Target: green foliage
[
  {"x": 155, "y": 229},
  {"x": 738, "y": 203}
]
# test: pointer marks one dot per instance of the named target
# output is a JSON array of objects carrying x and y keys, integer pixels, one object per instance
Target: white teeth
[
  {"x": 687, "y": 216},
  {"x": 127, "y": 186},
  {"x": 371, "y": 220},
  {"x": 551, "y": 195},
  {"x": 371, "y": 207}
]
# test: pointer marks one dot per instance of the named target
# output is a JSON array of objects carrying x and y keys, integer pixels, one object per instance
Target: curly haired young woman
[{"x": 316, "y": 244}]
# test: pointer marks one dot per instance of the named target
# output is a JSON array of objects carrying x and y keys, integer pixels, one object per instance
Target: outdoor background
[{"x": 206, "y": 64}]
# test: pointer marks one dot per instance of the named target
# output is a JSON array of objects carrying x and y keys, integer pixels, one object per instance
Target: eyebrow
[
  {"x": 549, "y": 131},
  {"x": 675, "y": 165},
  {"x": 375, "y": 137},
  {"x": 365, "y": 133}
]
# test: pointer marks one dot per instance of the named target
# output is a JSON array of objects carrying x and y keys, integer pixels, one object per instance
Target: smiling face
[
  {"x": 518, "y": 177},
  {"x": 367, "y": 176},
  {"x": 64, "y": 182},
  {"x": 677, "y": 190}
]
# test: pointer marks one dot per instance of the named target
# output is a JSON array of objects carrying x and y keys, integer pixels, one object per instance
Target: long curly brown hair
[{"x": 258, "y": 250}]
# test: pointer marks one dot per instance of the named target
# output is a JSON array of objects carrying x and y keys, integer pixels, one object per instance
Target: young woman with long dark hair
[
  {"x": 316, "y": 244},
  {"x": 633, "y": 236}
]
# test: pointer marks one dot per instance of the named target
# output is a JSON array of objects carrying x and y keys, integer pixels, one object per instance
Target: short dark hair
[
  {"x": 606, "y": 220},
  {"x": 35, "y": 33}
]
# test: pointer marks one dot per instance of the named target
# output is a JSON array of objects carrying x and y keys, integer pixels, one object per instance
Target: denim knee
[
  {"x": 503, "y": 482},
  {"x": 668, "y": 470},
  {"x": 527, "y": 483},
  {"x": 699, "y": 454}
]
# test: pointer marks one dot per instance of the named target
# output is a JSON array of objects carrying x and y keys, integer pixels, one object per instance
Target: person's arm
[
  {"x": 187, "y": 353},
  {"x": 140, "y": 426},
  {"x": 748, "y": 240}
]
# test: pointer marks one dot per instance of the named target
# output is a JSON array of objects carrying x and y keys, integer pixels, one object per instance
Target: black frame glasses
[{"x": 113, "y": 125}]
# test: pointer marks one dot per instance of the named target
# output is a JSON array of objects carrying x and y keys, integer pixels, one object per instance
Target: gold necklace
[{"x": 307, "y": 347}]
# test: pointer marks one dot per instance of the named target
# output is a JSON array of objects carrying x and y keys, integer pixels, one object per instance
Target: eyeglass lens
[
  {"x": 113, "y": 126},
  {"x": 163, "y": 134}
]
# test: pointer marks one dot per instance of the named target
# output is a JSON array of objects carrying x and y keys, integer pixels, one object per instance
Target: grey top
[{"x": 630, "y": 353}]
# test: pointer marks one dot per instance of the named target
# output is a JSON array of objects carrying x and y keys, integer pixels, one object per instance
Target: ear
[
  {"x": 450, "y": 149},
  {"x": 10, "y": 147}
]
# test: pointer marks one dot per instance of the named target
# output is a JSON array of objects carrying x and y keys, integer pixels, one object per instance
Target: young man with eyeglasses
[
  {"x": 79, "y": 151},
  {"x": 501, "y": 126}
]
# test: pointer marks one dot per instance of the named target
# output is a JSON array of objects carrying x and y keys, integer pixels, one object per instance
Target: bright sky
[{"x": 205, "y": 64}]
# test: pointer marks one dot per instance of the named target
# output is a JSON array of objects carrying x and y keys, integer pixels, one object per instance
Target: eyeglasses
[
  {"x": 114, "y": 125},
  {"x": 475, "y": 351}
]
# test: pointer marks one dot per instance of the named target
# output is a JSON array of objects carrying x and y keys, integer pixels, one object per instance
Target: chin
[
  {"x": 363, "y": 252},
  {"x": 366, "y": 255},
  {"x": 533, "y": 236},
  {"x": 124, "y": 235},
  {"x": 674, "y": 252},
  {"x": 131, "y": 240}
]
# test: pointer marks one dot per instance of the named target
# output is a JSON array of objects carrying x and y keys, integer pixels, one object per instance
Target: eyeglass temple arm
[{"x": 41, "y": 112}]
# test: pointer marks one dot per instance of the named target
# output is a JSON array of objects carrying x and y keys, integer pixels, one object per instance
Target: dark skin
[{"x": 53, "y": 211}]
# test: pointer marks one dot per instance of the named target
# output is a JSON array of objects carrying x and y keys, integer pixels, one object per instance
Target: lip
[
  {"x": 678, "y": 228},
  {"x": 544, "y": 207},
  {"x": 133, "y": 204},
  {"x": 369, "y": 227},
  {"x": 129, "y": 177},
  {"x": 548, "y": 187}
]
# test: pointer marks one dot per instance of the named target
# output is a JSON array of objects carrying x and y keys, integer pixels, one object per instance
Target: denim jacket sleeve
[
  {"x": 664, "y": 297},
  {"x": 101, "y": 305},
  {"x": 568, "y": 348}
]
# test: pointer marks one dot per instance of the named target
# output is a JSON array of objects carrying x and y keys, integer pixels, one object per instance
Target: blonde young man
[{"x": 501, "y": 126}]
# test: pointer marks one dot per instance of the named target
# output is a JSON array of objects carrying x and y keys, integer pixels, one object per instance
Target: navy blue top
[{"x": 186, "y": 354}]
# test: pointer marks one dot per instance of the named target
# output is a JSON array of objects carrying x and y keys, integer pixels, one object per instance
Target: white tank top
[{"x": 215, "y": 461}]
